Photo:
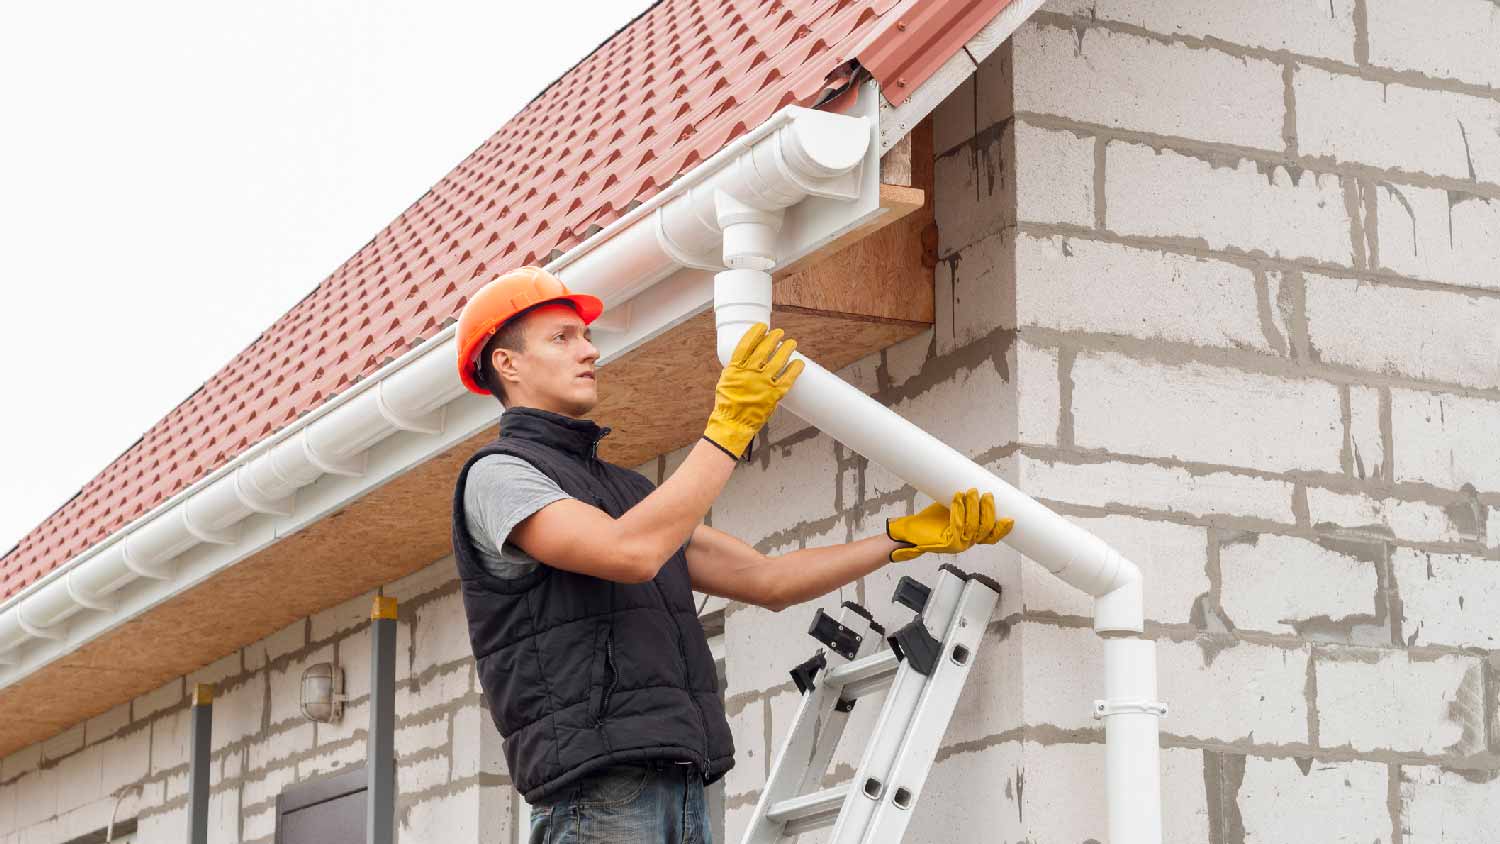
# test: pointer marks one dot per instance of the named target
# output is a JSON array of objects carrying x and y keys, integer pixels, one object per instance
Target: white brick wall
[
  {"x": 949, "y": 410},
  {"x": 1306, "y": 27},
  {"x": 240, "y": 708},
  {"x": 282, "y": 642},
  {"x": 170, "y": 741},
  {"x": 1445, "y": 439},
  {"x": 1327, "y": 801},
  {"x": 1199, "y": 413},
  {"x": 1275, "y": 583},
  {"x": 753, "y": 635},
  {"x": 1427, "y": 334},
  {"x": 1413, "y": 521},
  {"x": 1243, "y": 207},
  {"x": 1108, "y": 288},
  {"x": 970, "y": 174},
  {"x": 812, "y": 477},
  {"x": 477, "y": 814},
  {"x": 1061, "y": 188},
  {"x": 168, "y": 694},
  {"x": 103, "y": 726},
  {"x": 1130, "y": 82},
  {"x": 972, "y": 293},
  {"x": 1443, "y": 806},
  {"x": 438, "y": 640},
  {"x": 1397, "y": 127},
  {"x": 955, "y": 802},
  {"x": 1168, "y": 490},
  {"x": 1038, "y": 793},
  {"x": 1258, "y": 692},
  {"x": 1438, "y": 235},
  {"x": 1448, "y": 599},
  {"x": 1036, "y": 373},
  {"x": 1457, "y": 42},
  {"x": 1366, "y": 441},
  {"x": 1391, "y": 700}
]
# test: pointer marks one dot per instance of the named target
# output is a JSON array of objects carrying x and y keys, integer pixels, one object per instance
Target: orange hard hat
[{"x": 503, "y": 298}]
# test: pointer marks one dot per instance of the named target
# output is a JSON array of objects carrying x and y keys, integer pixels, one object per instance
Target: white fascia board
[{"x": 652, "y": 268}]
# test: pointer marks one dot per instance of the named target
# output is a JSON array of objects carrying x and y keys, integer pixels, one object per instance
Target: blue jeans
[{"x": 652, "y": 803}]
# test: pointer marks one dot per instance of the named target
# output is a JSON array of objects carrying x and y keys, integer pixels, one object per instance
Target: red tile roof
[{"x": 664, "y": 93}]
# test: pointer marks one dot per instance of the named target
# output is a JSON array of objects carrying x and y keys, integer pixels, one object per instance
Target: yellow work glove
[
  {"x": 750, "y": 387},
  {"x": 948, "y": 530}
]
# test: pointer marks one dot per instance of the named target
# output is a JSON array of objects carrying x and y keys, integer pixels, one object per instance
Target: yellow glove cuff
[{"x": 731, "y": 439}]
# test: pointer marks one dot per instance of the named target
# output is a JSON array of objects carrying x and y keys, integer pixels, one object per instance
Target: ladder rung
[
  {"x": 808, "y": 805},
  {"x": 863, "y": 676}
]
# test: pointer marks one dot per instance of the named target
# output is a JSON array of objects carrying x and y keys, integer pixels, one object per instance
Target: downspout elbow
[{"x": 1095, "y": 568}]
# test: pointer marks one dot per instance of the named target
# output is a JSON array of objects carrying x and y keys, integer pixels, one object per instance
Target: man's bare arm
[
  {"x": 570, "y": 534},
  {"x": 723, "y": 565},
  {"x": 632, "y": 549}
]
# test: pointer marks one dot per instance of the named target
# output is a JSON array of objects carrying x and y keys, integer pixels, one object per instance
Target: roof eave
[{"x": 653, "y": 268}]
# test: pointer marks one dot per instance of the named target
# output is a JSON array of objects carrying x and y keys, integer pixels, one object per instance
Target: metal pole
[
  {"x": 380, "y": 753},
  {"x": 203, "y": 724}
]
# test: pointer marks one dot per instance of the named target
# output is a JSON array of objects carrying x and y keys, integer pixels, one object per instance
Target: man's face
[{"x": 556, "y": 371}]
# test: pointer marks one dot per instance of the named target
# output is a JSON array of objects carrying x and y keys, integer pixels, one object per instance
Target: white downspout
[{"x": 1130, "y": 711}]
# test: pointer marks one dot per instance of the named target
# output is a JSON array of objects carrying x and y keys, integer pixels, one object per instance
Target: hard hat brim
[{"x": 589, "y": 307}]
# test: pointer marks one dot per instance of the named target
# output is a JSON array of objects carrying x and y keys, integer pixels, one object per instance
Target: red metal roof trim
[
  {"x": 915, "y": 39},
  {"x": 666, "y": 92}
]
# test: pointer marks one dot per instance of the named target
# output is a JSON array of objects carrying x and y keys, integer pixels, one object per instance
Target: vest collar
[{"x": 579, "y": 437}]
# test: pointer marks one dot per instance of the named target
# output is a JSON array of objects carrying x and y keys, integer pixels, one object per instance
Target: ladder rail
[
  {"x": 919, "y": 746},
  {"x": 870, "y": 779}
]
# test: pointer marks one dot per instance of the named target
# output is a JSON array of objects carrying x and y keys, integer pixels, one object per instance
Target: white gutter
[
  {"x": 779, "y": 192},
  {"x": 622, "y": 264}
]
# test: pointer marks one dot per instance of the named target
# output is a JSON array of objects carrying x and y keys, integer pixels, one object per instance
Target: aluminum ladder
[{"x": 925, "y": 675}]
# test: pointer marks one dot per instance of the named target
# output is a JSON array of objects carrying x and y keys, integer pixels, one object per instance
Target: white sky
[{"x": 174, "y": 176}]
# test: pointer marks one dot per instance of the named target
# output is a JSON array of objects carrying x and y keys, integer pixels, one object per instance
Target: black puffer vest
[{"x": 582, "y": 673}]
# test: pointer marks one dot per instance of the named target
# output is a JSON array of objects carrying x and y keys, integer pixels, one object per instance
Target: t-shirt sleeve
[{"x": 501, "y": 491}]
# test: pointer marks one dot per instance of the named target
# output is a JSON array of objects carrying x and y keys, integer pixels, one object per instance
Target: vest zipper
[
  {"x": 614, "y": 675},
  {"x": 594, "y": 449}
]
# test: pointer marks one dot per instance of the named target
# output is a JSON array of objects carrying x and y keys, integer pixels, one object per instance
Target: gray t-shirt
[{"x": 502, "y": 490}]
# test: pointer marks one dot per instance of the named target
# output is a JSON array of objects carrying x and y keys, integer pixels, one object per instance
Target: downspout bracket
[{"x": 1106, "y": 708}]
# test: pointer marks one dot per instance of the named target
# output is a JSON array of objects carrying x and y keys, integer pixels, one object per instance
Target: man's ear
[{"x": 503, "y": 361}]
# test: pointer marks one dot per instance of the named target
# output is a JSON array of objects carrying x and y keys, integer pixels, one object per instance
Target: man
[{"x": 578, "y": 575}]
